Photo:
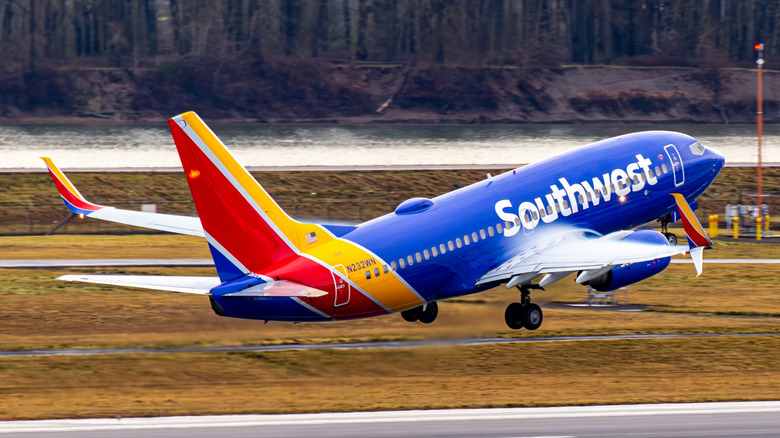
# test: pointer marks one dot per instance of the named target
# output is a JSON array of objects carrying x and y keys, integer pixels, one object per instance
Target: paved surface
[
  {"x": 400, "y": 167},
  {"x": 753, "y": 419},
  {"x": 373, "y": 345},
  {"x": 93, "y": 263}
]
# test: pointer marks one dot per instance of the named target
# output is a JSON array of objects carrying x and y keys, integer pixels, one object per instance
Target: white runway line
[{"x": 108, "y": 424}]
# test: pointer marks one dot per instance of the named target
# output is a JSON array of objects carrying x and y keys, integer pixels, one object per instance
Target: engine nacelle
[{"x": 631, "y": 273}]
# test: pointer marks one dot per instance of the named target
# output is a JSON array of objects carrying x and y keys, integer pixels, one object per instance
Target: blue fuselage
[{"x": 612, "y": 185}]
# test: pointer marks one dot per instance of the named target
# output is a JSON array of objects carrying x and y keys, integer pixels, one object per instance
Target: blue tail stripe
[{"x": 225, "y": 268}]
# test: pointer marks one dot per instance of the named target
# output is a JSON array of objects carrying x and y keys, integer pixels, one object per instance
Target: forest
[
  {"x": 225, "y": 41},
  {"x": 124, "y": 33}
]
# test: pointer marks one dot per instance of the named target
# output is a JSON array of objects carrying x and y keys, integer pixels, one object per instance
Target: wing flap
[{"x": 579, "y": 253}]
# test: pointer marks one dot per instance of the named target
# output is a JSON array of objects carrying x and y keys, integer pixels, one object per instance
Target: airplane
[{"x": 575, "y": 213}]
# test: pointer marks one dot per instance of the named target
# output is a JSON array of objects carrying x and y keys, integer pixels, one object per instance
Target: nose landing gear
[{"x": 525, "y": 313}]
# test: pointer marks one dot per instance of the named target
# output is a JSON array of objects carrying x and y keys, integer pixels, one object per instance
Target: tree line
[{"x": 133, "y": 33}]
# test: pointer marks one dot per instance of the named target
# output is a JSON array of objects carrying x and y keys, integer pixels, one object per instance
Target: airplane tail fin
[
  {"x": 698, "y": 240},
  {"x": 245, "y": 228}
]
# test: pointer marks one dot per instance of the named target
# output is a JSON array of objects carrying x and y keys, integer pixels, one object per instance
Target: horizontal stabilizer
[
  {"x": 76, "y": 203},
  {"x": 190, "y": 285},
  {"x": 281, "y": 288}
]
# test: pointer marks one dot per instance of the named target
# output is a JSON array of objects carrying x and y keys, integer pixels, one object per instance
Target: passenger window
[
  {"x": 664, "y": 168},
  {"x": 451, "y": 245},
  {"x": 474, "y": 237},
  {"x": 466, "y": 240},
  {"x": 401, "y": 263},
  {"x": 507, "y": 224},
  {"x": 534, "y": 215},
  {"x": 393, "y": 266},
  {"x": 458, "y": 242},
  {"x": 605, "y": 190},
  {"x": 442, "y": 249},
  {"x": 427, "y": 254},
  {"x": 657, "y": 171},
  {"x": 580, "y": 199},
  {"x": 499, "y": 228},
  {"x": 490, "y": 232},
  {"x": 385, "y": 269},
  {"x": 410, "y": 260},
  {"x": 565, "y": 204},
  {"x": 368, "y": 275},
  {"x": 517, "y": 222},
  {"x": 418, "y": 257},
  {"x": 376, "y": 272}
]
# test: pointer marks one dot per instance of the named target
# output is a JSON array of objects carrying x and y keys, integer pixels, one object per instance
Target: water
[{"x": 150, "y": 145}]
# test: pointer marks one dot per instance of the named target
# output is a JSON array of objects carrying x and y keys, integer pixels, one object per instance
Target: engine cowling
[{"x": 631, "y": 273}]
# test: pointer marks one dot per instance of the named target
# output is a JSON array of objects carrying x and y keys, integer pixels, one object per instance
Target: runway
[
  {"x": 372, "y": 345},
  {"x": 103, "y": 263},
  {"x": 754, "y": 419},
  {"x": 356, "y": 168}
]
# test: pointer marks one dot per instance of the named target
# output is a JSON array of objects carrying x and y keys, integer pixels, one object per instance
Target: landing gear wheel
[
  {"x": 532, "y": 316},
  {"x": 412, "y": 315},
  {"x": 429, "y": 312},
  {"x": 514, "y": 316},
  {"x": 672, "y": 238}
]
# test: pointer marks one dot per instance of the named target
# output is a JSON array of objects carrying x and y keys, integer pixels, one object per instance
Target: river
[{"x": 104, "y": 145}]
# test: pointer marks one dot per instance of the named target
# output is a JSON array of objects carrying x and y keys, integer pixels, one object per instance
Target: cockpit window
[{"x": 697, "y": 148}]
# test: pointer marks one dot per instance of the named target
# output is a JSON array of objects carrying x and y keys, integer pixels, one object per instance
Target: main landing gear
[
  {"x": 671, "y": 237},
  {"x": 426, "y": 313},
  {"x": 525, "y": 313}
]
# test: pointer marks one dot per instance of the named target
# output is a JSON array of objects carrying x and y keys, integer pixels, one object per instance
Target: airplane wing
[
  {"x": 198, "y": 285},
  {"x": 156, "y": 221},
  {"x": 577, "y": 252},
  {"x": 574, "y": 251}
]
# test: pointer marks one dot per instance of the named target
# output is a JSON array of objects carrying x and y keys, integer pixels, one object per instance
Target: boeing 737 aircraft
[{"x": 529, "y": 227}]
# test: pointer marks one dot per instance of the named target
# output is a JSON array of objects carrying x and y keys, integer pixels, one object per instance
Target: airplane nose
[{"x": 716, "y": 158}]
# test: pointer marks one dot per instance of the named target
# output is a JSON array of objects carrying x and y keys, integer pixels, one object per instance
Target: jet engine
[{"x": 631, "y": 273}]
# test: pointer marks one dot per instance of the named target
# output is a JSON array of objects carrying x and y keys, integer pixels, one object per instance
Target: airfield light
[{"x": 760, "y": 119}]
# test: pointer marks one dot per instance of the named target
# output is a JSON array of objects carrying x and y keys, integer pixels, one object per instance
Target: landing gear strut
[
  {"x": 426, "y": 313},
  {"x": 525, "y": 313},
  {"x": 671, "y": 237}
]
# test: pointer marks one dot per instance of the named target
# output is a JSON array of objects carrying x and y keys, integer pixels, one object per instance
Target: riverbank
[{"x": 312, "y": 91}]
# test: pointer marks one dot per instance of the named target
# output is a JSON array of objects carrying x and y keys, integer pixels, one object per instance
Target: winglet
[
  {"x": 698, "y": 240},
  {"x": 70, "y": 194}
]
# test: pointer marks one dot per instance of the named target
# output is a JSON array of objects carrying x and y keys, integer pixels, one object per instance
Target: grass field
[
  {"x": 29, "y": 203},
  {"x": 563, "y": 373},
  {"x": 41, "y": 312}
]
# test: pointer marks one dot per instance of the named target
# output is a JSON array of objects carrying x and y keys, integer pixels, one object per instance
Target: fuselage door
[
  {"x": 341, "y": 285},
  {"x": 677, "y": 164}
]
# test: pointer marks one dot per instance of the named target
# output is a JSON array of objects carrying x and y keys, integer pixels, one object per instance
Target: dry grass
[
  {"x": 41, "y": 312},
  {"x": 161, "y": 246},
  {"x": 29, "y": 202},
  {"x": 592, "y": 372}
]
